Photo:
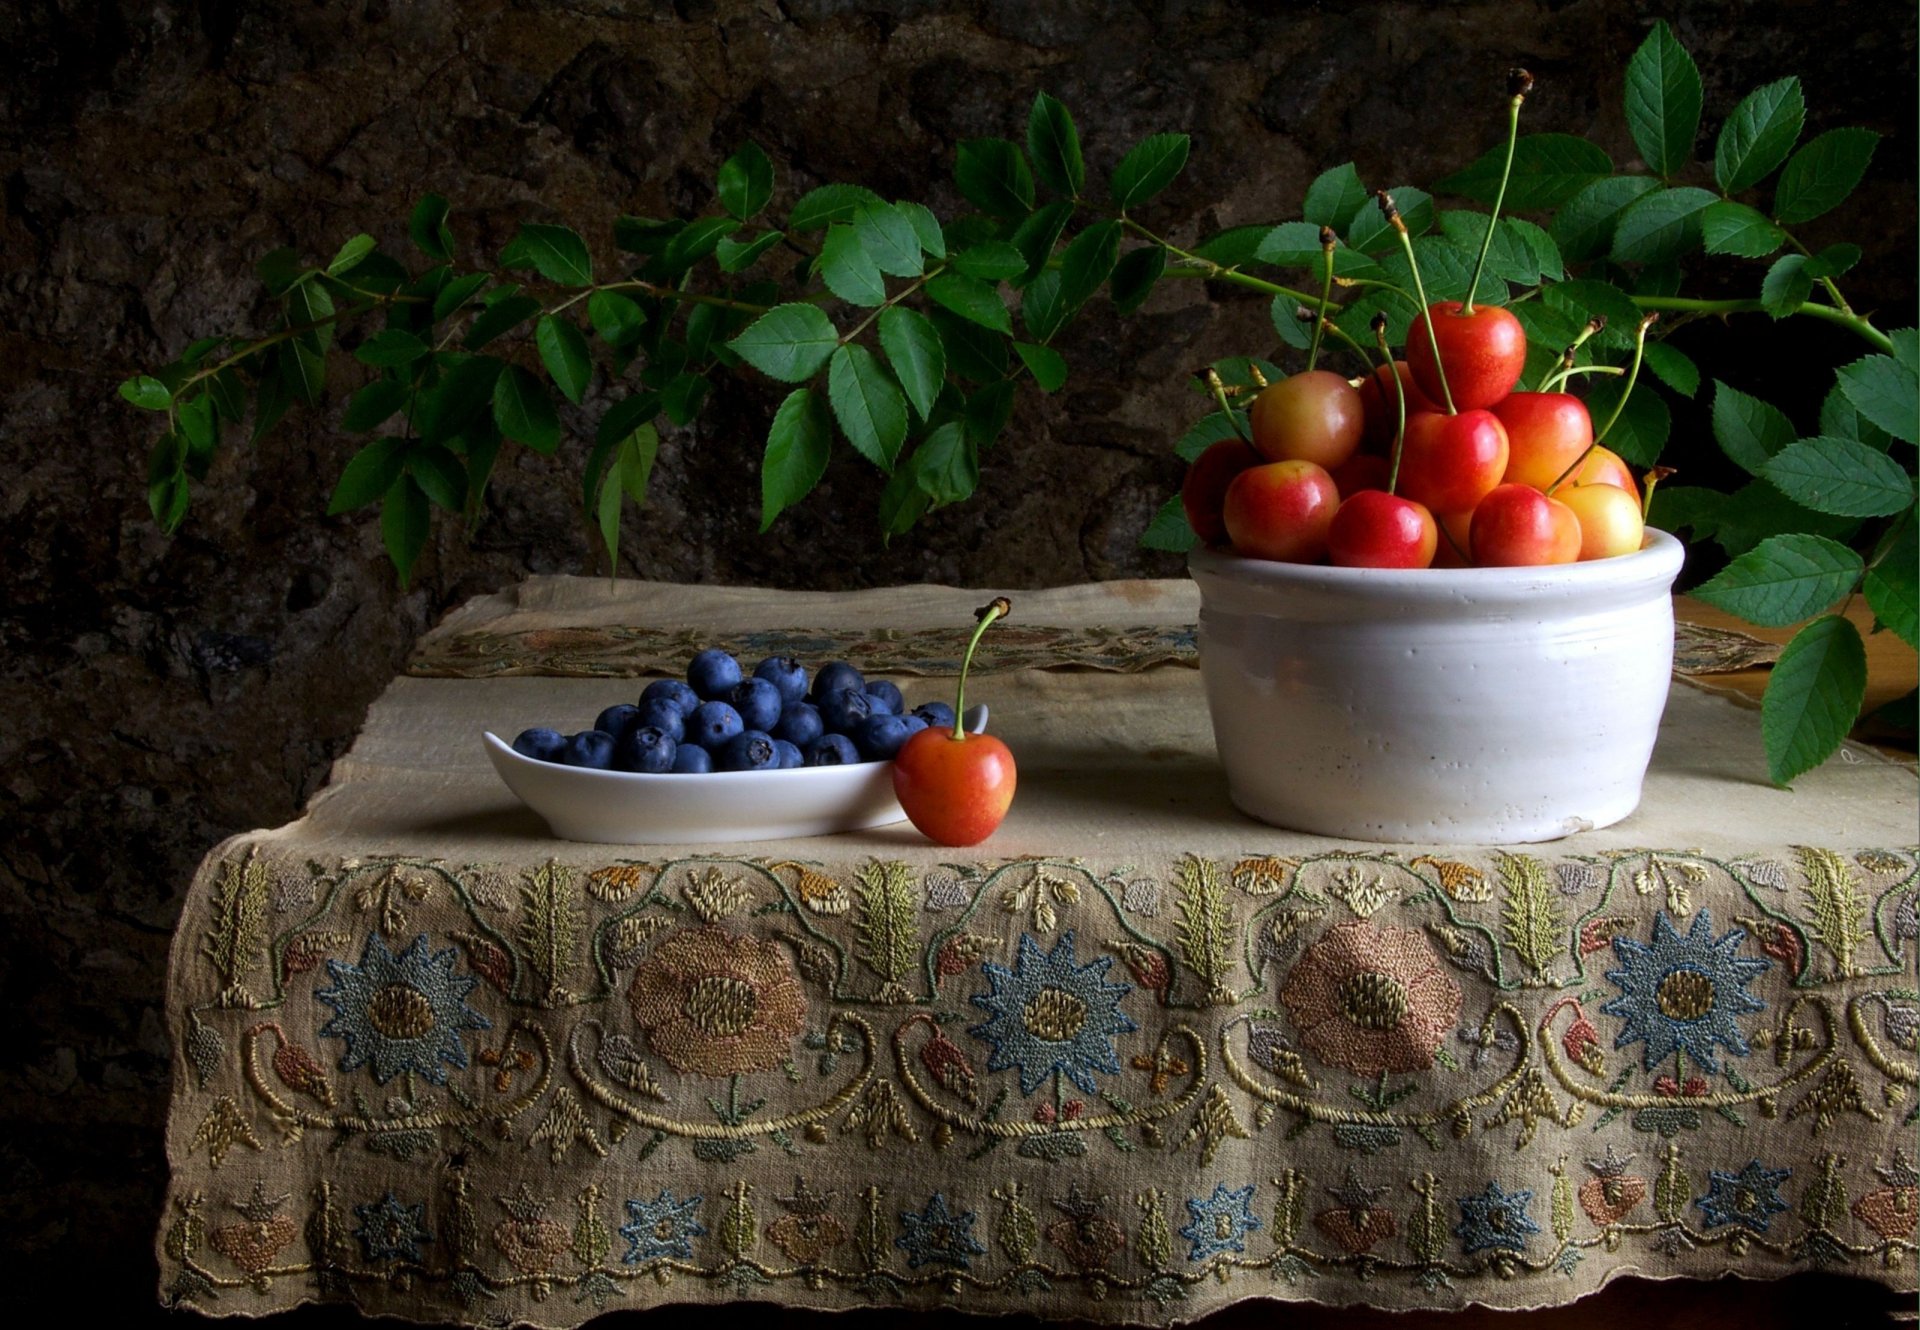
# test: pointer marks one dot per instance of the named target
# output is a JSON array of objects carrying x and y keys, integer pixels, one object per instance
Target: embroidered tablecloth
[{"x": 1134, "y": 1058}]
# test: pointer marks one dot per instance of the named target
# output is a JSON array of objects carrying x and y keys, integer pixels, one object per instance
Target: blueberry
[
  {"x": 800, "y": 724},
  {"x": 842, "y": 711},
  {"x": 712, "y": 724},
  {"x": 750, "y": 750},
  {"x": 758, "y": 703},
  {"x": 644, "y": 748},
  {"x": 886, "y": 697},
  {"x": 589, "y": 748},
  {"x": 784, "y": 673},
  {"x": 692, "y": 759},
  {"x": 617, "y": 720},
  {"x": 937, "y": 715},
  {"x": 713, "y": 674},
  {"x": 789, "y": 755},
  {"x": 671, "y": 690},
  {"x": 879, "y": 737},
  {"x": 835, "y": 676},
  {"x": 666, "y": 717},
  {"x": 540, "y": 744},
  {"x": 832, "y": 750}
]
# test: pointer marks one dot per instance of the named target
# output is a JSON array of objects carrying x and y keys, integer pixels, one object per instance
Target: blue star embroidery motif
[
  {"x": 1221, "y": 1222},
  {"x": 937, "y": 1234},
  {"x": 662, "y": 1227},
  {"x": 1681, "y": 993},
  {"x": 1050, "y": 1014},
  {"x": 1495, "y": 1220},
  {"x": 1750, "y": 1197},
  {"x": 390, "y": 1230},
  {"x": 401, "y": 1013}
]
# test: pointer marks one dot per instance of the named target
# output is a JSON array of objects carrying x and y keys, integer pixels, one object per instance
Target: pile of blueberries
[{"x": 719, "y": 720}]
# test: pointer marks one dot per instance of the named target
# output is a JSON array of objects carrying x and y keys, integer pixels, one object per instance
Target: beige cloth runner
[{"x": 1134, "y": 1058}]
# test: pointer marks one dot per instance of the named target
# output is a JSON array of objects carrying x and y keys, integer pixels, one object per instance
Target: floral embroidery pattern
[
  {"x": 1750, "y": 1197},
  {"x": 391, "y": 1230},
  {"x": 401, "y": 1013},
  {"x": 1220, "y": 1223},
  {"x": 717, "y": 1003},
  {"x": 1495, "y": 1220},
  {"x": 1681, "y": 993},
  {"x": 662, "y": 1227},
  {"x": 1372, "y": 999},
  {"x": 936, "y": 1234},
  {"x": 1049, "y": 1013}
]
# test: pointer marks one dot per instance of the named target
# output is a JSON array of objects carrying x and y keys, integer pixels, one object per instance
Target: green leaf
[
  {"x": 628, "y": 472},
  {"x": 1581, "y": 300},
  {"x": 304, "y": 370},
  {"x": 1660, "y": 226},
  {"x": 1906, "y": 348},
  {"x": 501, "y": 317},
  {"x": 1734, "y": 228},
  {"x": 557, "y": 253},
  {"x": 870, "y": 410},
  {"x": 428, "y": 227},
  {"x": 973, "y": 353},
  {"x": 682, "y": 397},
  {"x": 645, "y": 235},
  {"x": 995, "y": 261},
  {"x": 1840, "y": 476},
  {"x": 848, "y": 270},
  {"x": 1209, "y": 430},
  {"x": 524, "y": 412},
  {"x": 457, "y": 293},
  {"x": 563, "y": 350},
  {"x": 1584, "y": 226},
  {"x": 439, "y": 474},
  {"x": 146, "y": 392},
  {"x": 1134, "y": 276},
  {"x": 1758, "y": 135},
  {"x": 1548, "y": 169},
  {"x": 1048, "y": 367},
  {"x": 971, "y": 299},
  {"x": 946, "y": 466},
  {"x": 746, "y": 182},
  {"x": 1335, "y": 198},
  {"x": 1446, "y": 268},
  {"x": 389, "y": 347},
  {"x": 693, "y": 243},
  {"x": 988, "y": 412},
  {"x": 1786, "y": 286},
  {"x": 275, "y": 397},
  {"x": 1038, "y": 234},
  {"x": 1663, "y": 101},
  {"x": 1833, "y": 260},
  {"x": 1821, "y": 174},
  {"x": 926, "y": 227},
  {"x": 890, "y": 239},
  {"x": 228, "y": 394},
  {"x": 368, "y": 474},
  {"x": 1546, "y": 254},
  {"x": 1813, "y": 697},
  {"x": 1054, "y": 145},
  {"x": 1784, "y": 579},
  {"x": 796, "y": 457},
  {"x": 1886, "y": 392},
  {"x": 1891, "y": 587},
  {"x": 461, "y": 395},
  {"x": 1297, "y": 245},
  {"x": 789, "y": 342},
  {"x": 349, "y": 255},
  {"x": 1673, "y": 367},
  {"x": 1233, "y": 248},
  {"x": 913, "y": 349},
  {"x": 1149, "y": 168},
  {"x": 404, "y": 523},
  {"x": 1509, "y": 258},
  {"x": 1841, "y": 418},
  {"x": 1748, "y": 430},
  {"x": 1644, "y": 425},
  {"x": 279, "y": 270},
  {"x": 167, "y": 491},
  {"x": 993, "y": 176},
  {"x": 1758, "y": 511},
  {"x": 622, "y": 419},
  {"x": 829, "y": 203},
  {"x": 1692, "y": 506},
  {"x": 1371, "y": 233},
  {"x": 1042, "y": 308},
  {"x": 309, "y": 303},
  {"x": 1088, "y": 262},
  {"x": 197, "y": 427},
  {"x": 737, "y": 255},
  {"x": 1169, "y": 529},
  {"x": 373, "y": 406},
  {"x": 618, "y": 319}
]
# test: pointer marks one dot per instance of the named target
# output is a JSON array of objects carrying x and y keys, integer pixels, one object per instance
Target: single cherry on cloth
[
  {"x": 1483, "y": 353},
  {"x": 1203, "y": 495},
  {"x": 1516, "y": 526},
  {"x": 1281, "y": 511},
  {"x": 1374, "y": 529},
  {"x": 1313, "y": 417},
  {"x": 1546, "y": 434},
  {"x": 954, "y": 786},
  {"x": 1449, "y": 463}
]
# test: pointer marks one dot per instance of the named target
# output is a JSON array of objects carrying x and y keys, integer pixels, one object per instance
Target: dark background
[{"x": 157, "y": 695}]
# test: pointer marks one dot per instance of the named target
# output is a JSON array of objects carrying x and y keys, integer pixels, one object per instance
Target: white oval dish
[{"x": 635, "y": 808}]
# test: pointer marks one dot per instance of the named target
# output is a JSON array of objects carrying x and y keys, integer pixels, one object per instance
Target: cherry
[
  {"x": 1517, "y": 526},
  {"x": 1609, "y": 517},
  {"x": 1362, "y": 471},
  {"x": 1602, "y": 467},
  {"x": 1281, "y": 511},
  {"x": 1204, "y": 493},
  {"x": 1546, "y": 434},
  {"x": 1455, "y": 539},
  {"x": 1482, "y": 350},
  {"x": 953, "y": 786},
  {"x": 1449, "y": 463},
  {"x": 1376, "y": 397},
  {"x": 1374, "y": 529},
  {"x": 1316, "y": 416}
]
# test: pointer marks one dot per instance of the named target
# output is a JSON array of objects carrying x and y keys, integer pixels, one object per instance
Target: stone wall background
[{"x": 156, "y": 695}]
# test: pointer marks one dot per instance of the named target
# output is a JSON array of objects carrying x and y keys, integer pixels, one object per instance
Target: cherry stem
[
  {"x": 1327, "y": 239},
  {"x": 1560, "y": 376},
  {"x": 1653, "y": 478},
  {"x": 1326, "y": 324},
  {"x": 1399, "y": 401},
  {"x": 1594, "y": 325},
  {"x": 998, "y": 608},
  {"x": 1219, "y": 390},
  {"x": 1420, "y": 289},
  {"x": 1519, "y": 81},
  {"x": 1639, "y": 353}
]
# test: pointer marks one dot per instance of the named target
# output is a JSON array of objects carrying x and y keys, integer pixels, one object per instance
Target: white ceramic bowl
[
  {"x": 1471, "y": 705},
  {"x": 633, "y": 808}
]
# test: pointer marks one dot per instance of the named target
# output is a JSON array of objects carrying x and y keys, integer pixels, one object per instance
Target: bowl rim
[{"x": 1657, "y": 560}]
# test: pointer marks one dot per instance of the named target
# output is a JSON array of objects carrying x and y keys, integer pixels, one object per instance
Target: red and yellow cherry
[
  {"x": 1483, "y": 353},
  {"x": 1602, "y": 467},
  {"x": 1374, "y": 529},
  {"x": 1362, "y": 471},
  {"x": 1456, "y": 539},
  {"x": 1204, "y": 493},
  {"x": 1609, "y": 517},
  {"x": 1312, "y": 417},
  {"x": 1517, "y": 526},
  {"x": 1281, "y": 511},
  {"x": 953, "y": 786},
  {"x": 1546, "y": 433},
  {"x": 1382, "y": 413},
  {"x": 1449, "y": 463}
]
